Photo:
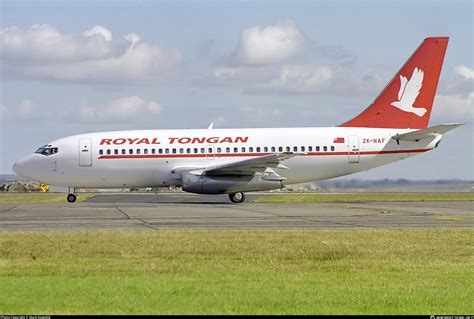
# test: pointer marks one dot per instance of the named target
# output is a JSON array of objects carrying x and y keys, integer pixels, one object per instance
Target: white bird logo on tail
[{"x": 409, "y": 90}]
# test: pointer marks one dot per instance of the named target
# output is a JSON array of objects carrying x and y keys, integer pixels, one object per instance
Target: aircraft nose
[{"x": 22, "y": 167}]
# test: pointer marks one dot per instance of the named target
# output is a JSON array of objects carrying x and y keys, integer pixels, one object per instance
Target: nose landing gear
[
  {"x": 237, "y": 197},
  {"x": 71, "y": 197}
]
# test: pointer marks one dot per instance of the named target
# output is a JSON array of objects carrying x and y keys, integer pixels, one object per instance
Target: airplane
[{"x": 235, "y": 161}]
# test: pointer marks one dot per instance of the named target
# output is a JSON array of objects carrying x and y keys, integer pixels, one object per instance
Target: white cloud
[
  {"x": 301, "y": 79},
  {"x": 269, "y": 45},
  {"x": 341, "y": 80},
  {"x": 240, "y": 75},
  {"x": 43, "y": 44},
  {"x": 126, "y": 108},
  {"x": 455, "y": 107},
  {"x": 129, "y": 108},
  {"x": 99, "y": 30},
  {"x": 465, "y": 71},
  {"x": 25, "y": 110},
  {"x": 265, "y": 61},
  {"x": 455, "y": 100},
  {"x": 42, "y": 52}
]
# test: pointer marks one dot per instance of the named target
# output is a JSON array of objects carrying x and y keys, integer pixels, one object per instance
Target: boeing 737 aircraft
[{"x": 234, "y": 161}]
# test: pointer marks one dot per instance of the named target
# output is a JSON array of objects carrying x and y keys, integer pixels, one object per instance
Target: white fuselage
[{"x": 156, "y": 158}]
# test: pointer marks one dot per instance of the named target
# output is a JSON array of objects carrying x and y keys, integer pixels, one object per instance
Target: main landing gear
[
  {"x": 237, "y": 197},
  {"x": 71, "y": 197}
]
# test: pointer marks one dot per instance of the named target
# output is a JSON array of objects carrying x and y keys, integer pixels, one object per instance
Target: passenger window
[
  {"x": 243, "y": 149},
  {"x": 160, "y": 151},
  {"x": 115, "y": 152},
  {"x": 288, "y": 149},
  {"x": 317, "y": 149},
  {"x": 258, "y": 149},
  {"x": 195, "y": 151},
  {"x": 251, "y": 149},
  {"x": 145, "y": 151},
  {"x": 333, "y": 148},
  {"x": 210, "y": 150},
  {"x": 302, "y": 148},
  {"x": 227, "y": 150},
  {"x": 295, "y": 148},
  {"x": 138, "y": 151},
  {"x": 181, "y": 150},
  {"x": 265, "y": 149},
  {"x": 101, "y": 152},
  {"x": 188, "y": 150},
  {"x": 167, "y": 150},
  {"x": 280, "y": 149},
  {"x": 325, "y": 148},
  {"x": 174, "y": 151},
  {"x": 108, "y": 152},
  {"x": 203, "y": 150},
  {"x": 310, "y": 148},
  {"x": 153, "y": 151},
  {"x": 273, "y": 149},
  {"x": 130, "y": 151},
  {"x": 236, "y": 149}
]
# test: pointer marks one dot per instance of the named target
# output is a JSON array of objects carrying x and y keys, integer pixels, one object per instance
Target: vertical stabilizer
[{"x": 407, "y": 100}]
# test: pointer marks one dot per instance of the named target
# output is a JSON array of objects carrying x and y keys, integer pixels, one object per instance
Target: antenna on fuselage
[{"x": 210, "y": 126}]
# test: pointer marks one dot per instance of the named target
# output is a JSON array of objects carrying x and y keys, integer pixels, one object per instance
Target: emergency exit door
[
  {"x": 354, "y": 151},
  {"x": 85, "y": 152}
]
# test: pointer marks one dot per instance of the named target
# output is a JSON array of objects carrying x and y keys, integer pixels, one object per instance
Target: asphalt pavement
[{"x": 189, "y": 211}]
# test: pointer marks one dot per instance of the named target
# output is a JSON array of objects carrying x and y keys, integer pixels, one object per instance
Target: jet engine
[{"x": 228, "y": 184}]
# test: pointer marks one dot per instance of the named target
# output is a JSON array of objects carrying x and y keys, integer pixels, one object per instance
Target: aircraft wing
[
  {"x": 426, "y": 132},
  {"x": 250, "y": 166}
]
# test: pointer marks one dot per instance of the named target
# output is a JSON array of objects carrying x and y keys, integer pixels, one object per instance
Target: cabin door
[
  {"x": 85, "y": 152},
  {"x": 354, "y": 151}
]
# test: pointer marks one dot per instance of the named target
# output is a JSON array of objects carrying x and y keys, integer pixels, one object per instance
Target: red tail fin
[{"x": 407, "y": 100}]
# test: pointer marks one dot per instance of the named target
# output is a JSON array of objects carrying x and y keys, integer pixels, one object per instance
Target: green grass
[
  {"x": 39, "y": 197},
  {"x": 364, "y": 197},
  {"x": 237, "y": 272}
]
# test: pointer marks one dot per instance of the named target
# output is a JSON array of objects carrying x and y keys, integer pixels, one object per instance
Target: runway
[{"x": 189, "y": 211}]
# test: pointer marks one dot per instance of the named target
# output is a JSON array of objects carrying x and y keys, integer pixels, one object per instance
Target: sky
[{"x": 70, "y": 67}]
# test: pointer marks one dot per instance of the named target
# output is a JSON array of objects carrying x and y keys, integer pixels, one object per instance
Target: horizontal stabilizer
[{"x": 426, "y": 132}]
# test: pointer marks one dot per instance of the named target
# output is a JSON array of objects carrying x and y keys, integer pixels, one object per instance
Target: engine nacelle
[{"x": 228, "y": 184}]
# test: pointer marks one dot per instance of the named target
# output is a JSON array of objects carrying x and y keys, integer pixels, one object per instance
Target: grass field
[
  {"x": 39, "y": 197},
  {"x": 241, "y": 272},
  {"x": 365, "y": 197}
]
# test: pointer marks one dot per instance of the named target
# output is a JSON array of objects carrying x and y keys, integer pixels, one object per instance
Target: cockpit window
[{"x": 47, "y": 150}]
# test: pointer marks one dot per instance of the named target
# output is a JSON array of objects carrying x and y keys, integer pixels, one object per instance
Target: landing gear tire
[
  {"x": 237, "y": 197},
  {"x": 71, "y": 198}
]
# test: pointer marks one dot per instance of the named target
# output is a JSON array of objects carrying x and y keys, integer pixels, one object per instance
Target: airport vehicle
[{"x": 234, "y": 161}]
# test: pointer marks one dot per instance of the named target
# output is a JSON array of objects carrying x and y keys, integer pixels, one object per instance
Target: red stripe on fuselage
[{"x": 254, "y": 154}]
